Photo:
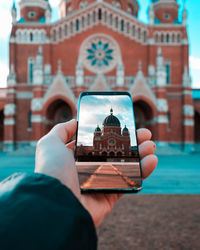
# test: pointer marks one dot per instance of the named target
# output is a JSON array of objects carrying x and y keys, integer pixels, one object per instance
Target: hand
[{"x": 56, "y": 159}]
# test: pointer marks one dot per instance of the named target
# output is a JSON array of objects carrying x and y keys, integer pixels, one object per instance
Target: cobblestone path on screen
[{"x": 108, "y": 176}]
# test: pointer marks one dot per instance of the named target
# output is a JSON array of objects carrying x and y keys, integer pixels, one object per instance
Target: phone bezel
[{"x": 131, "y": 190}]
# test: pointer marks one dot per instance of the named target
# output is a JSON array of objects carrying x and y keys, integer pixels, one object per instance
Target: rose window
[{"x": 99, "y": 53}]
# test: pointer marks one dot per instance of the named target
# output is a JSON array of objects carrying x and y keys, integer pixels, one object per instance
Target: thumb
[{"x": 65, "y": 131}]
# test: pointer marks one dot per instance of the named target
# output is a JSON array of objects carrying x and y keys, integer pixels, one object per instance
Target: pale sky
[
  {"x": 193, "y": 27},
  {"x": 93, "y": 111}
]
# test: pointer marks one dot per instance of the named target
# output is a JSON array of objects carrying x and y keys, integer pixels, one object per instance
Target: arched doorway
[
  {"x": 1, "y": 129},
  {"x": 143, "y": 115},
  {"x": 57, "y": 112},
  {"x": 197, "y": 127}
]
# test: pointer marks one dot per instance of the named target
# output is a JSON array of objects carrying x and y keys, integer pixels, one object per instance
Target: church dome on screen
[{"x": 111, "y": 120}]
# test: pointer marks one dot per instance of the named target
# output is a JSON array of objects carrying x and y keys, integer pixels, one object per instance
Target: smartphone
[{"x": 106, "y": 154}]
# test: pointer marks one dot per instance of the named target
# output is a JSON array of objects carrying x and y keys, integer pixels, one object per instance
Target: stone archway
[
  {"x": 57, "y": 112},
  {"x": 143, "y": 115},
  {"x": 197, "y": 127},
  {"x": 1, "y": 128}
]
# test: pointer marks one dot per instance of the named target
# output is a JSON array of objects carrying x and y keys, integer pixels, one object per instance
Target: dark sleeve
[{"x": 38, "y": 212}]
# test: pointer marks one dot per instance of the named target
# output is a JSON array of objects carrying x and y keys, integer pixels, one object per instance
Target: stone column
[
  {"x": 188, "y": 113},
  {"x": 9, "y": 113},
  {"x": 162, "y": 106},
  {"x": 37, "y": 101}
]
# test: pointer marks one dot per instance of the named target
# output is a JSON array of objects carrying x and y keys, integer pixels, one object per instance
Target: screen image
[{"x": 107, "y": 153}]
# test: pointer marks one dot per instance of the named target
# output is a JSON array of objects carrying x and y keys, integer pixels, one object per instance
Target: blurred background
[{"x": 51, "y": 51}]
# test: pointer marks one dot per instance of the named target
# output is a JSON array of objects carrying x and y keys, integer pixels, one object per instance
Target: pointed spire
[
  {"x": 14, "y": 12},
  {"x": 11, "y": 80},
  {"x": 111, "y": 111},
  {"x": 184, "y": 14},
  {"x": 59, "y": 70},
  {"x": 151, "y": 14}
]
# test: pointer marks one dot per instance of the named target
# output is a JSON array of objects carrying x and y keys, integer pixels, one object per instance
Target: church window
[
  {"x": 133, "y": 31},
  {"x": 83, "y": 22},
  {"x": 167, "y": 38},
  {"x": 71, "y": 28},
  {"x": 100, "y": 14},
  {"x": 31, "y": 14},
  {"x": 60, "y": 33},
  {"x": 66, "y": 30},
  {"x": 173, "y": 38},
  {"x": 179, "y": 38},
  {"x": 145, "y": 36},
  {"x": 88, "y": 19},
  {"x": 116, "y": 22},
  {"x": 167, "y": 15},
  {"x": 139, "y": 33},
  {"x": 54, "y": 35},
  {"x": 128, "y": 28},
  {"x": 111, "y": 19},
  {"x": 77, "y": 25},
  {"x": 31, "y": 37},
  {"x": 29, "y": 119},
  {"x": 30, "y": 70},
  {"x": 122, "y": 25},
  {"x": 94, "y": 17},
  {"x": 168, "y": 69},
  {"x": 162, "y": 38}
]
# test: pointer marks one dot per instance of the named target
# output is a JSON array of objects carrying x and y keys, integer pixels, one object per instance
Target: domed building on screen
[
  {"x": 112, "y": 140},
  {"x": 98, "y": 45}
]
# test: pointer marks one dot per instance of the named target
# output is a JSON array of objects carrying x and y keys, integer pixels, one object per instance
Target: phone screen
[{"x": 107, "y": 157}]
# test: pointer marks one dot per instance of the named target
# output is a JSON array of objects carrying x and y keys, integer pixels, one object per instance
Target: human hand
[{"x": 56, "y": 159}]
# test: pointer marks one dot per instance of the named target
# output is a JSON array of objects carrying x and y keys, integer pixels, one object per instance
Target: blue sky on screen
[
  {"x": 192, "y": 6},
  {"x": 95, "y": 108}
]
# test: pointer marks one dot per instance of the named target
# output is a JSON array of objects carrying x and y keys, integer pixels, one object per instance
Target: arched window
[
  {"x": 29, "y": 119},
  {"x": 116, "y": 22},
  {"x": 99, "y": 14},
  {"x": 83, "y": 22},
  {"x": 105, "y": 16},
  {"x": 71, "y": 28},
  {"x": 31, "y": 37},
  {"x": 173, "y": 38},
  {"x": 167, "y": 38},
  {"x": 66, "y": 30},
  {"x": 127, "y": 28},
  {"x": 88, "y": 20},
  {"x": 145, "y": 36},
  {"x": 156, "y": 38},
  {"x": 111, "y": 19},
  {"x": 168, "y": 71},
  {"x": 139, "y": 33},
  {"x": 162, "y": 38},
  {"x": 133, "y": 31},
  {"x": 94, "y": 17},
  {"x": 122, "y": 25},
  {"x": 77, "y": 25},
  {"x": 60, "y": 33},
  {"x": 54, "y": 35},
  {"x": 179, "y": 38},
  {"x": 30, "y": 70}
]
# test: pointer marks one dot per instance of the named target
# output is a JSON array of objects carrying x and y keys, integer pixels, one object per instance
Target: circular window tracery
[{"x": 99, "y": 53}]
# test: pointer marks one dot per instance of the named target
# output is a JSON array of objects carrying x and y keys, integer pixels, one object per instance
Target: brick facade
[{"x": 49, "y": 69}]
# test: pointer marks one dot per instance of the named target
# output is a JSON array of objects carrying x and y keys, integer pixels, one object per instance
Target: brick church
[{"x": 98, "y": 45}]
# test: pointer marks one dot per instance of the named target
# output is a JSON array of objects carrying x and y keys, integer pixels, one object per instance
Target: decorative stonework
[
  {"x": 9, "y": 121},
  {"x": 162, "y": 119},
  {"x": 162, "y": 105},
  {"x": 9, "y": 109},
  {"x": 36, "y": 104},
  {"x": 188, "y": 110},
  {"x": 100, "y": 53},
  {"x": 188, "y": 122}
]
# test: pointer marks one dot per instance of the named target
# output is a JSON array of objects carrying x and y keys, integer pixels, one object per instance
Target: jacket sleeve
[{"x": 38, "y": 212}]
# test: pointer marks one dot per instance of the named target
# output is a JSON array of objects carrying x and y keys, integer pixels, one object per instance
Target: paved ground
[{"x": 174, "y": 174}]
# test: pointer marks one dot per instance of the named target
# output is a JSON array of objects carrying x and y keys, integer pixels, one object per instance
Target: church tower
[
  {"x": 165, "y": 11},
  {"x": 34, "y": 11}
]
